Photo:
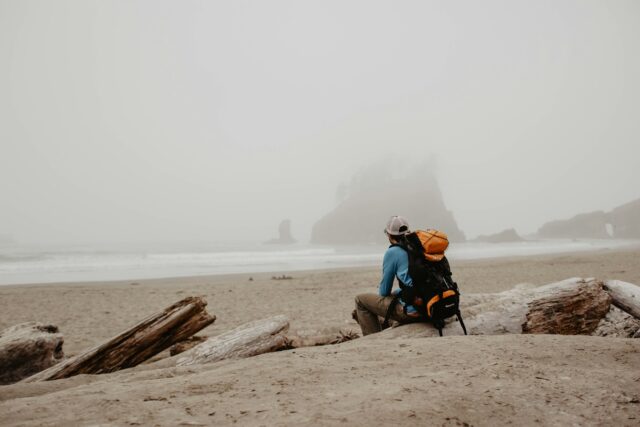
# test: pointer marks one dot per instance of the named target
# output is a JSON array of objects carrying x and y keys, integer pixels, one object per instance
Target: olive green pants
[{"x": 369, "y": 307}]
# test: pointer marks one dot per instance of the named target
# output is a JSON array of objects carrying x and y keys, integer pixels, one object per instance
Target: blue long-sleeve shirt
[{"x": 394, "y": 264}]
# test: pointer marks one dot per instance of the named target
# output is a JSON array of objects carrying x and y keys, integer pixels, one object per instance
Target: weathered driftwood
[
  {"x": 573, "y": 306},
  {"x": 250, "y": 339},
  {"x": 134, "y": 346},
  {"x": 28, "y": 348},
  {"x": 570, "y": 311},
  {"x": 618, "y": 324},
  {"x": 297, "y": 341},
  {"x": 187, "y": 344},
  {"x": 626, "y": 296}
]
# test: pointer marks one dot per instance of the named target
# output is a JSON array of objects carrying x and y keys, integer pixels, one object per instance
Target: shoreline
[
  {"x": 187, "y": 266},
  {"x": 632, "y": 246}
]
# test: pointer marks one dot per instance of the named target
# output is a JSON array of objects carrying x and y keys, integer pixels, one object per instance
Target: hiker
[{"x": 394, "y": 264}]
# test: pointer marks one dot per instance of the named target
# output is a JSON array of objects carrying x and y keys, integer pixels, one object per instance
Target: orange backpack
[{"x": 434, "y": 243}]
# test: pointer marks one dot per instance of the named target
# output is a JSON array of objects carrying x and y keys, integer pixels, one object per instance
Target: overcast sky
[{"x": 202, "y": 120}]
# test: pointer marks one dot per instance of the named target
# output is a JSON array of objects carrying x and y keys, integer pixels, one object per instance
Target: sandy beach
[{"x": 479, "y": 380}]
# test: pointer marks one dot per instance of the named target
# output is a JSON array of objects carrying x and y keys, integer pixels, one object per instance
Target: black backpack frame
[{"x": 432, "y": 283}]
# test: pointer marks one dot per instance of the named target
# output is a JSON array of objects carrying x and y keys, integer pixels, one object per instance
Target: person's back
[{"x": 395, "y": 265}]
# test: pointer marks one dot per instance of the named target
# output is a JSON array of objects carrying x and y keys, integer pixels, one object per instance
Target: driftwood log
[
  {"x": 250, "y": 339},
  {"x": 571, "y": 307},
  {"x": 28, "y": 348},
  {"x": 297, "y": 341},
  {"x": 626, "y": 296},
  {"x": 137, "y": 344},
  {"x": 187, "y": 344},
  {"x": 618, "y": 324}
]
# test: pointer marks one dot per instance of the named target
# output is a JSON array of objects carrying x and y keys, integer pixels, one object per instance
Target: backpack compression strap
[{"x": 392, "y": 307}]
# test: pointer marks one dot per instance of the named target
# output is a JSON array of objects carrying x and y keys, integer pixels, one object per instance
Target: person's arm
[
  {"x": 402, "y": 269},
  {"x": 388, "y": 273}
]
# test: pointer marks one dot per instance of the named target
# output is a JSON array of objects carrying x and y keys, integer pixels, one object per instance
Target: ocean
[{"x": 23, "y": 265}]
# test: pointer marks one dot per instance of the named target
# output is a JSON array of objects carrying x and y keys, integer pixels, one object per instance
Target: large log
[
  {"x": 573, "y": 306},
  {"x": 250, "y": 339},
  {"x": 626, "y": 296},
  {"x": 297, "y": 341},
  {"x": 137, "y": 344},
  {"x": 568, "y": 311},
  {"x": 28, "y": 348}
]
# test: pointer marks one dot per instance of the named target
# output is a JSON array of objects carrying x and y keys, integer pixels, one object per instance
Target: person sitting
[{"x": 395, "y": 264}]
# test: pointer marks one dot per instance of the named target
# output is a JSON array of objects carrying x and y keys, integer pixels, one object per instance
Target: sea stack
[
  {"x": 284, "y": 234},
  {"x": 374, "y": 195}
]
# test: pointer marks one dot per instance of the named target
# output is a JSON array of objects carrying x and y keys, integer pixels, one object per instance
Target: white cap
[{"x": 397, "y": 226}]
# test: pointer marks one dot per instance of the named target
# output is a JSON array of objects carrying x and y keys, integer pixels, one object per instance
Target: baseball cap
[{"x": 397, "y": 226}]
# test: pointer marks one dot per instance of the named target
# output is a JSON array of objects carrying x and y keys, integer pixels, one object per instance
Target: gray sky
[{"x": 193, "y": 120}]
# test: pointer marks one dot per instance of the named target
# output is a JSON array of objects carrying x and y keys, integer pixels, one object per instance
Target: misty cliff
[
  {"x": 622, "y": 222},
  {"x": 376, "y": 194}
]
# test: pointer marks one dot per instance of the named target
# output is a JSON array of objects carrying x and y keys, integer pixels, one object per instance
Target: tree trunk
[
  {"x": 134, "y": 346},
  {"x": 250, "y": 339},
  {"x": 626, "y": 296},
  {"x": 573, "y": 306},
  {"x": 28, "y": 348}
]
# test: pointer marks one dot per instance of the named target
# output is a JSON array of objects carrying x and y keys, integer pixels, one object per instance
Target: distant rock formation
[
  {"x": 625, "y": 220},
  {"x": 375, "y": 195},
  {"x": 284, "y": 232},
  {"x": 591, "y": 225},
  {"x": 505, "y": 236},
  {"x": 622, "y": 222}
]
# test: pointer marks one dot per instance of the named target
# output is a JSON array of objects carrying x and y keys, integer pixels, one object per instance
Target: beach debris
[
  {"x": 571, "y": 307},
  {"x": 574, "y": 310},
  {"x": 296, "y": 341},
  {"x": 618, "y": 324},
  {"x": 283, "y": 277},
  {"x": 137, "y": 344},
  {"x": 187, "y": 344},
  {"x": 28, "y": 348},
  {"x": 249, "y": 339},
  {"x": 626, "y": 296}
]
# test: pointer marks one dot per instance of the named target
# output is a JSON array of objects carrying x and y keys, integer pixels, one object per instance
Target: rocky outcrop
[
  {"x": 625, "y": 220},
  {"x": 284, "y": 234},
  {"x": 505, "y": 236},
  {"x": 622, "y": 222},
  {"x": 590, "y": 225},
  {"x": 375, "y": 195}
]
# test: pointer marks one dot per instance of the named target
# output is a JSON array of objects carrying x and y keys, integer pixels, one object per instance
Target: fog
[{"x": 147, "y": 121}]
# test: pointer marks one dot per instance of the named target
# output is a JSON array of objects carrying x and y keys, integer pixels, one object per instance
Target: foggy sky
[{"x": 129, "y": 121}]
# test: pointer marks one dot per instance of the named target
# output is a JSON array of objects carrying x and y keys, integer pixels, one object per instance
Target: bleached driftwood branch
[
  {"x": 572, "y": 307},
  {"x": 297, "y": 341},
  {"x": 250, "y": 339},
  {"x": 137, "y": 344},
  {"x": 626, "y": 296},
  {"x": 28, "y": 348}
]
